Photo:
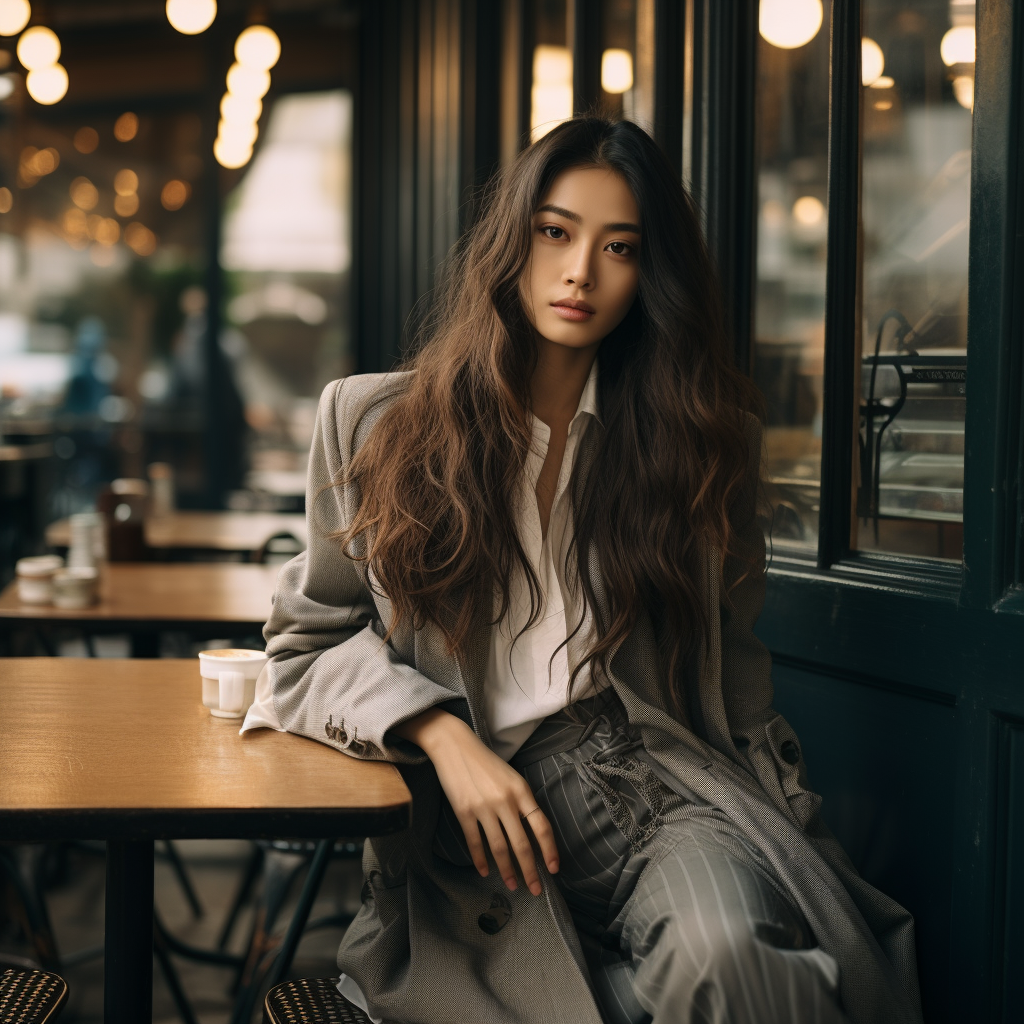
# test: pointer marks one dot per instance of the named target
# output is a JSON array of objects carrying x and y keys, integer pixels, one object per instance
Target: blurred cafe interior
[{"x": 209, "y": 209}]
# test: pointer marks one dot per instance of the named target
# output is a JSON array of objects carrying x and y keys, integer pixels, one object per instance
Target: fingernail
[
  {"x": 484, "y": 872},
  {"x": 535, "y": 888},
  {"x": 510, "y": 882},
  {"x": 552, "y": 866}
]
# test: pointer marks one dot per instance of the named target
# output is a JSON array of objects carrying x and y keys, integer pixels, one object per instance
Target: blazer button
[
  {"x": 496, "y": 916},
  {"x": 790, "y": 752}
]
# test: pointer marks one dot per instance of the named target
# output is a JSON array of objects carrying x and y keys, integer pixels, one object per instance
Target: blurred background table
[
  {"x": 205, "y": 599},
  {"x": 181, "y": 533},
  {"x": 124, "y": 751}
]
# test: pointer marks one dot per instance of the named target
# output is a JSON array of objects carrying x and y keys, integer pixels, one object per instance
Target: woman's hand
[{"x": 486, "y": 794}]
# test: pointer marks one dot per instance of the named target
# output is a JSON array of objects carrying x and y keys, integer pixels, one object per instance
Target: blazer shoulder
[{"x": 353, "y": 404}]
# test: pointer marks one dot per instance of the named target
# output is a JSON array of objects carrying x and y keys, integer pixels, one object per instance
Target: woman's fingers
[
  {"x": 499, "y": 848},
  {"x": 541, "y": 828},
  {"x": 471, "y": 830},
  {"x": 521, "y": 847}
]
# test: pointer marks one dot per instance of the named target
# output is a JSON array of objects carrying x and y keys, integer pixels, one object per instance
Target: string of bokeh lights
[
  {"x": 38, "y": 50},
  {"x": 257, "y": 50}
]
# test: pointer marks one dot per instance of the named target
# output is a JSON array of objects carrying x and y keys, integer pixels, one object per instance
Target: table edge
[{"x": 32, "y": 825}]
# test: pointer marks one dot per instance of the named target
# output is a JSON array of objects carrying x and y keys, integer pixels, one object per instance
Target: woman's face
[{"x": 584, "y": 265}]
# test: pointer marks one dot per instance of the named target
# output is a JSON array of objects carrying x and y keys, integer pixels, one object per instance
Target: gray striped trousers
[{"x": 681, "y": 918}]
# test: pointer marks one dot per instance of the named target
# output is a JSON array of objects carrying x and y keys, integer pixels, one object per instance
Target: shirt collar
[
  {"x": 588, "y": 400},
  {"x": 587, "y": 407}
]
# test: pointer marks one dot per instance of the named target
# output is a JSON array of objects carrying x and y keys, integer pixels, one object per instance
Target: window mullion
[{"x": 842, "y": 268}]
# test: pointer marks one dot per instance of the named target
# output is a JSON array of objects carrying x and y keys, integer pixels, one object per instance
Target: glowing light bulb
[
  {"x": 47, "y": 85},
  {"x": 231, "y": 156},
  {"x": 86, "y": 140},
  {"x": 808, "y": 211},
  {"x": 240, "y": 108},
  {"x": 126, "y": 127},
  {"x": 258, "y": 47},
  {"x": 872, "y": 61},
  {"x": 957, "y": 46},
  {"x": 237, "y": 133},
  {"x": 552, "y": 65},
  {"x": 963, "y": 90},
  {"x": 126, "y": 206},
  {"x": 174, "y": 194},
  {"x": 789, "y": 23},
  {"x": 126, "y": 182},
  {"x": 246, "y": 81},
  {"x": 84, "y": 193},
  {"x": 140, "y": 239},
  {"x": 190, "y": 17},
  {"x": 39, "y": 47},
  {"x": 616, "y": 71},
  {"x": 14, "y": 15}
]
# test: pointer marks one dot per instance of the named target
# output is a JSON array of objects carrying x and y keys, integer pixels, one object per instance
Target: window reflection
[
  {"x": 916, "y": 166},
  {"x": 287, "y": 256},
  {"x": 789, "y": 315},
  {"x": 551, "y": 90},
  {"x": 93, "y": 267}
]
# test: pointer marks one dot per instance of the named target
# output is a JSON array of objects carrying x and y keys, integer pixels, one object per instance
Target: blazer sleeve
[
  {"x": 332, "y": 677},
  {"x": 764, "y": 740}
]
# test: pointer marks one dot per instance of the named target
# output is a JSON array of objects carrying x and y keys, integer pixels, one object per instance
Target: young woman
[{"x": 533, "y": 574}]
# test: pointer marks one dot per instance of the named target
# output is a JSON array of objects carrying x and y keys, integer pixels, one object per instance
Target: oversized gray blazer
[{"x": 416, "y": 948}]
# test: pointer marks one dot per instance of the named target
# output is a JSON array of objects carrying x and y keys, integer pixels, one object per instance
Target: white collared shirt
[
  {"x": 518, "y": 690},
  {"x": 518, "y": 694}
]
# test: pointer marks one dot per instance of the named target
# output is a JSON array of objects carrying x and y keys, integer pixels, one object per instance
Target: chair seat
[
  {"x": 33, "y": 997},
  {"x": 310, "y": 1001}
]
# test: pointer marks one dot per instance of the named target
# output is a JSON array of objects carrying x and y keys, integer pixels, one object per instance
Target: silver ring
[{"x": 528, "y": 813}]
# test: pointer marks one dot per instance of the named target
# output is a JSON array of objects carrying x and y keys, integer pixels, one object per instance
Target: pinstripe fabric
[
  {"x": 680, "y": 917},
  {"x": 434, "y": 942}
]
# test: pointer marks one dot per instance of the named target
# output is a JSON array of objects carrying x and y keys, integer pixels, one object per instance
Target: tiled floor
[{"x": 75, "y": 904}]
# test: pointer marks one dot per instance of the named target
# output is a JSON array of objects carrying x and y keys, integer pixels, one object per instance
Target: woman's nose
[{"x": 579, "y": 271}]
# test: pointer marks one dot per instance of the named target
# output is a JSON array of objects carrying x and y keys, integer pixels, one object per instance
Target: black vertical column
[
  {"x": 585, "y": 43},
  {"x": 128, "y": 933},
  {"x": 842, "y": 270},
  {"x": 217, "y": 422}
]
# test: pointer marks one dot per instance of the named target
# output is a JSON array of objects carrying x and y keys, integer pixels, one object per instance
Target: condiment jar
[
  {"x": 35, "y": 578},
  {"x": 76, "y": 587}
]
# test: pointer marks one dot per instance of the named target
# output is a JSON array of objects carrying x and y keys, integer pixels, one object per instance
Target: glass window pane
[
  {"x": 918, "y": 75},
  {"x": 286, "y": 256},
  {"x": 101, "y": 271},
  {"x": 789, "y": 311},
  {"x": 551, "y": 90}
]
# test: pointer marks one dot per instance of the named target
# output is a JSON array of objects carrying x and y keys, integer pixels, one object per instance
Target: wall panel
[{"x": 881, "y": 761}]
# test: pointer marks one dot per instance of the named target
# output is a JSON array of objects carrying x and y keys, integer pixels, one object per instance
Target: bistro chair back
[{"x": 310, "y": 1001}]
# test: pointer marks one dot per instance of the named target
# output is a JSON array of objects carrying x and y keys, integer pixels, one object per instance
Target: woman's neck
[{"x": 558, "y": 380}]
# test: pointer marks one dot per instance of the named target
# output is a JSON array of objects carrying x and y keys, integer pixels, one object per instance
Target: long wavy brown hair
[{"x": 440, "y": 472}]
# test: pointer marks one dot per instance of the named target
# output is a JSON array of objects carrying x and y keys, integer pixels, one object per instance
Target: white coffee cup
[{"x": 229, "y": 680}]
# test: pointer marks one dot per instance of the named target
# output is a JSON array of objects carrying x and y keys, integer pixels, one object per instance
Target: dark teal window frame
[{"x": 720, "y": 50}]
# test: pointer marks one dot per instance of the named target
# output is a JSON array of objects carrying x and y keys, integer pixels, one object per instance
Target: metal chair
[
  {"x": 269, "y": 957},
  {"x": 31, "y": 997},
  {"x": 310, "y": 1001}
]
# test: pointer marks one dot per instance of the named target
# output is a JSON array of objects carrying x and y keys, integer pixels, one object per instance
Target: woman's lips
[{"x": 570, "y": 313}]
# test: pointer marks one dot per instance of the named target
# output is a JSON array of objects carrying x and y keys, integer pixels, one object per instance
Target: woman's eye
[
  {"x": 620, "y": 248},
  {"x": 556, "y": 232}
]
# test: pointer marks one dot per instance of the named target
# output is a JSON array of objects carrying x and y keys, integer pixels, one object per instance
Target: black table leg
[{"x": 128, "y": 933}]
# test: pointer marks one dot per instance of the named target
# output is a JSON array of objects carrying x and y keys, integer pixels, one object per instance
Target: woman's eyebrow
[{"x": 577, "y": 219}]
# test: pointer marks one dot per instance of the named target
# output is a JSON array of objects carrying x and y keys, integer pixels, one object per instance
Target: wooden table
[
  {"x": 206, "y": 599},
  {"x": 124, "y": 751},
  {"x": 204, "y": 531}
]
